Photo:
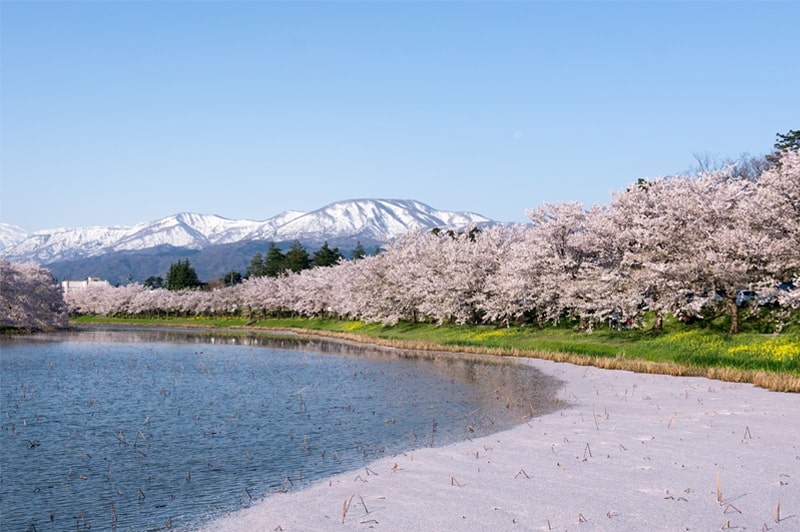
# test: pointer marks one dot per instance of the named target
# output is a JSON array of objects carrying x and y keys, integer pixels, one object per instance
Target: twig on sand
[
  {"x": 454, "y": 482},
  {"x": 345, "y": 506}
]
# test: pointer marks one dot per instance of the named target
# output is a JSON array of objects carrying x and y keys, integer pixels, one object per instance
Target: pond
[{"x": 156, "y": 430}]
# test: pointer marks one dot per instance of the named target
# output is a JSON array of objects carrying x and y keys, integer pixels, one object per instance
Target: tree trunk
[
  {"x": 658, "y": 324},
  {"x": 734, "y": 311}
]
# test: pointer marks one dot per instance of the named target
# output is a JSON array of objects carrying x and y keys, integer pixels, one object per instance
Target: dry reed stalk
[
  {"x": 726, "y": 525},
  {"x": 731, "y": 507},
  {"x": 454, "y": 482},
  {"x": 719, "y": 491},
  {"x": 778, "y": 512},
  {"x": 346, "y": 507},
  {"x": 671, "y": 421},
  {"x": 363, "y": 504},
  {"x": 587, "y": 449},
  {"x": 521, "y": 472},
  {"x": 370, "y": 472},
  {"x": 747, "y": 435},
  {"x": 596, "y": 425},
  {"x": 136, "y": 439},
  {"x": 139, "y": 494},
  {"x": 581, "y": 518}
]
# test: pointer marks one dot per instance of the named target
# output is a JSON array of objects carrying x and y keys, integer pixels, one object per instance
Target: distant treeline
[{"x": 691, "y": 246}]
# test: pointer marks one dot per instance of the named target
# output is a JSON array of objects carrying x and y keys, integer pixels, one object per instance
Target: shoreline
[
  {"x": 633, "y": 451},
  {"x": 777, "y": 381}
]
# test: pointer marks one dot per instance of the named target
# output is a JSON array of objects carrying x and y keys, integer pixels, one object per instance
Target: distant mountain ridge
[{"x": 373, "y": 222}]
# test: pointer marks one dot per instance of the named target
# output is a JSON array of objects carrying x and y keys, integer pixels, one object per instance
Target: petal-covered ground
[{"x": 632, "y": 452}]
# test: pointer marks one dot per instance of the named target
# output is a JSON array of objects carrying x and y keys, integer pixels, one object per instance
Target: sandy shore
[{"x": 632, "y": 452}]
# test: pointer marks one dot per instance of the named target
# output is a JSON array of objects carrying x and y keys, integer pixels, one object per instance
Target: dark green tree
[
  {"x": 181, "y": 275},
  {"x": 154, "y": 282},
  {"x": 788, "y": 141},
  {"x": 257, "y": 267},
  {"x": 784, "y": 142},
  {"x": 231, "y": 278},
  {"x": 274, "y": 262},
  {"x": 359, "y": 252},
  {"x": 297, "y": 258},
  {"x": 325, "y": 256}
]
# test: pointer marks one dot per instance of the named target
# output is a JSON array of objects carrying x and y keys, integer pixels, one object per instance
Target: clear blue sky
[{"x": 115, "y": 113}]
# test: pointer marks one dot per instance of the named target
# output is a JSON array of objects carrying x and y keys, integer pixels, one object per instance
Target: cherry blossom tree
[
  {"x": 30, "y": 298},
  {"x": 776, "y": 215},
  {"x": 672, "y": 244}
]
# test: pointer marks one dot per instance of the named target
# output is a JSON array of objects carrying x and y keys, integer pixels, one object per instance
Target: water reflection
[{"x": 152, "y": 429}]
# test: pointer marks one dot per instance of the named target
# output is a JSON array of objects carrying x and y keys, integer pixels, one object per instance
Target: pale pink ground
[{"x": 632, "y": 452}]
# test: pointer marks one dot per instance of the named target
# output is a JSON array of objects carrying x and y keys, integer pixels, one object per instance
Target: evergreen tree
[
  {"x": 181, "y": 275},
  {"x": 154, "y": 282},
  {"x": 257, "y": 267},
  {"x": 325, "y": 256},
  {"x": 784, "y": 142},
  {"x": 359, "y": 252},
  {"x": 231, "y": 278},
  {"x": 297, "y": 258},
  {"x": 275, "y": 261},
  {"x": 788, "y": 141}
]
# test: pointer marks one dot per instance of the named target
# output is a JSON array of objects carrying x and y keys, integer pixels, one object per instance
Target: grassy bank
[{"x": 769, "y": 361}]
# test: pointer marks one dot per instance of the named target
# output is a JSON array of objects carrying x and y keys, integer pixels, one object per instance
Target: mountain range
[{"x": 217, "y": 245}]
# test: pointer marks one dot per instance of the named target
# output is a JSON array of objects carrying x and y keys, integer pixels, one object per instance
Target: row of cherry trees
[
  {"x": 669, "y": 244},
  {"x": 30, "y": 298}
]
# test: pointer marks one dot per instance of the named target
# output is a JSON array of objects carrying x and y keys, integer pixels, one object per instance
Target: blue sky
[{"x": 115, "y": 113}]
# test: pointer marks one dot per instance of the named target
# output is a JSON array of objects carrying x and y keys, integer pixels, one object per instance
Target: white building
[{"x": 72, "y": 286}]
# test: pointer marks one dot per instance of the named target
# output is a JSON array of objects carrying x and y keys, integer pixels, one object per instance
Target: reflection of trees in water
[{"x": 506, "y": 388}]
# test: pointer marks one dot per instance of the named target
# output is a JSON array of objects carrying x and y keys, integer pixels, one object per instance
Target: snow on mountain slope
[
  {"x": 369, "y": 219},
  {"x": 373, "y": 219},
  {"x": 11, "y": 235}
]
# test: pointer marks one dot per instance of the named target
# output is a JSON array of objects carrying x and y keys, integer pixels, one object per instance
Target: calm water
[{"x": 151, "y": 430}]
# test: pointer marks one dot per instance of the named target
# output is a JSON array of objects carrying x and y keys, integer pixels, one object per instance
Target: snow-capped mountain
[
  {"x": 11, "y": 235},
  {"x": 373, "y": 221}
]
